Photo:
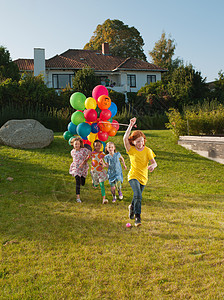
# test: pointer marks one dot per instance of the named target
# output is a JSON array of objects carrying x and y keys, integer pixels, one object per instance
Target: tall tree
[
  {"x": 85, "y": 80},
  {"x": 124, "y": 41},
  {"x": 8, "y": 69},
  {"x": 163, "y": 52}
]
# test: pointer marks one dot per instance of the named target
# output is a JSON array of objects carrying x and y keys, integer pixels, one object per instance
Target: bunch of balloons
[{"x": 92, "y": 119}]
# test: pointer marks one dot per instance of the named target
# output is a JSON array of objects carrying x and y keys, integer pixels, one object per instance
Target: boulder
[{"x": 25, "y": 134}]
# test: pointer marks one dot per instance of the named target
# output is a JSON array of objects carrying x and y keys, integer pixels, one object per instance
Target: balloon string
[{"x": 119, "y": 124}]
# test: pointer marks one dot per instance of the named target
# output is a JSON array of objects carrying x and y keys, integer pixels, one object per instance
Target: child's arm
[
  {"x": 127, "y": 133},
  {"x": 85, "y": 161},
  {"x": 103, "y": 163},
  {"x": 123, "y": 162},
  {"x": 153, "y": 165}
]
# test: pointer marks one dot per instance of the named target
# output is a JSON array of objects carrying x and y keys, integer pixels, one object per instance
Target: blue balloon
[
  {"x": 72, "y": 128},
  {"x": 83, "y": 129},
  {"x": 94, "y": 128},
  {"x": 113, "y": 109}
]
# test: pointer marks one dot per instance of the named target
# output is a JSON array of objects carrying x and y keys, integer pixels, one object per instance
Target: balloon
[
  {"x": 90, "y": 103},
  {"x": 72, "y": 128},
  {"x": 98, "y": 91},
  {"x": 90, "y": 115},
  {"x": 98, "y": 111},
  {"x": 83, "y": 129},
  {"x": 105, "y": 114},
  {"x": 94, "y": 128},
  {"x": 92, "y": 137},
  {"x": 103, "y": 136},
  {"x": 104, "y": 102},
  {"x": 67, "y": 135},
  {"x": 112, "y": 132},
  {"x": 69, "y": 141},
  {"x": 77, "y": 118},
  {"x": 113, "y": 109},
  {"x": 104, "y": 146},
  {"x": 115, "y": 124},
  {"x": 105, "y": 126},
  {"x": 77, "y": 100}
]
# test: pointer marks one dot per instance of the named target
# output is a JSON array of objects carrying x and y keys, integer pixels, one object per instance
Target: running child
[
  {"x": 115, "y": 175},
  {"x": 140, "y": 156},
  {"x": 79, "y": 153}
]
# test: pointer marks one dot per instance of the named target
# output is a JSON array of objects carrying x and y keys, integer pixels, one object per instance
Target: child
[
  {"x": 79, "y": 153},
  {"x": 114, "y": 169},
  {"x": 140, "y": 156},
  {"x": 97, "y": 172}
]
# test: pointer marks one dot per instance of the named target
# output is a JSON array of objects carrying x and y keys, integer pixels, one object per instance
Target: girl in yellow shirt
[{"x": 140, "y": 156}]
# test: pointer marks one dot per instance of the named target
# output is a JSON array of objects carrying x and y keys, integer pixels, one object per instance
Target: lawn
[{"x": 55, "y": 248}]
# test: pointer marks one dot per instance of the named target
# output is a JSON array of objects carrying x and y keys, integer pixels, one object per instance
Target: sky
[{"x": 196, "y": 26}]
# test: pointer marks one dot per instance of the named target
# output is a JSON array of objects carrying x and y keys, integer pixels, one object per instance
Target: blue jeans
[{"x": 137, "y": 188}]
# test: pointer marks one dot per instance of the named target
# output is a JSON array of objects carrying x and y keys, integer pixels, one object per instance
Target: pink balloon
[
  {"x": 98, "y": 91},
  {"x": 105, "y": 114},
  {"x": 90, "y": 115},
  {"x": 115, "y": 124},
  {"x": 102, "y": 136}
]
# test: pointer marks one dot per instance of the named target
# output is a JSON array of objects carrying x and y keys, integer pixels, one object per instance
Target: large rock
[{"x": 25, "y": 134}]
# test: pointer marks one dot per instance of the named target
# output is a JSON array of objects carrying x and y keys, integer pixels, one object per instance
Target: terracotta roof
[
  {"x": 25, "y": 64},
  {"x": 77, "y": 59}
]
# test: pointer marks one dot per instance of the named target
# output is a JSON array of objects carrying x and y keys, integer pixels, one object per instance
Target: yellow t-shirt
[{"x": 139, "y": 164}]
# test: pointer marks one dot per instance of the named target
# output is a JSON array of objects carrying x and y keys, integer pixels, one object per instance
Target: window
[
  {"x": 61, "y": 80},
  {"x": 151, "y": 78},
  {"x": 132, "y": 80}
]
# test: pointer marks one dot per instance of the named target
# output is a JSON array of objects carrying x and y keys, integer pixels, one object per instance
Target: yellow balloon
[
  {"x": 90, "y": 103},
  {"x": 92, "y": 137}
]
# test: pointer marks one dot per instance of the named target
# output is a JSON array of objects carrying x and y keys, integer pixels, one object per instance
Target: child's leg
[
  {"x": 103, "y": 193},
  {"x": 83, "y": 180},
  {"x": 118, "y": 184},
  {"x": 78, "y": 182}
]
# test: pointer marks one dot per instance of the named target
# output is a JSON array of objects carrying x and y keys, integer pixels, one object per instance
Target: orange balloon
[
  {"x": 112, "y": 132},
  {"x": 105, "y": 126},
  {"x": 104, "y": 102}
]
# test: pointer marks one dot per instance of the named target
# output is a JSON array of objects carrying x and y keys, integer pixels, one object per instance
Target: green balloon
[
  {"x": 77, "y": 101},
  {"x": 67, "y": 135},
  {"x": 77, "y": 117}
]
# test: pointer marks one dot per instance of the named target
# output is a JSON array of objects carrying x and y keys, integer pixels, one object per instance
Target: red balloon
[
  {"x": 105, "y": 114},
  {"x": 115, "y": 124},
  {"x": 90, "y": 115},
  {"x": 102, "y": 136},
  {"x": 86, "y": 142}
]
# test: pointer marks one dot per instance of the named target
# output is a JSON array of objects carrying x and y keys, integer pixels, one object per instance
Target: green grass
[{"x": 55, "y": 248}]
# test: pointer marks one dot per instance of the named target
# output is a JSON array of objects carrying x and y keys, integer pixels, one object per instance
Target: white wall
[{"x": 39, "y": 61}]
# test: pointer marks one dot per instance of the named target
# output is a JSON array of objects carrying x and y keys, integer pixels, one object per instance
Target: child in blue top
[{"x": 115, "y": 174}]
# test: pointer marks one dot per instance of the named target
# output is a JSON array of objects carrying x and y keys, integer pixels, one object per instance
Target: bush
[{"x": 202, "y": 119}]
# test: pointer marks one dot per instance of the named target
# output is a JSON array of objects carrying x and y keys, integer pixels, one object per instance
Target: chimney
[
  {"x": 105, "y": 49},
  {"x": 39, "y": 61}
]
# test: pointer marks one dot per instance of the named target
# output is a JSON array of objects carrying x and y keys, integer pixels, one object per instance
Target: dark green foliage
[
  {"x": 8, "y": 69},
  {"x": 117, "y": 98},
  {"x": 85, "y": 81}
]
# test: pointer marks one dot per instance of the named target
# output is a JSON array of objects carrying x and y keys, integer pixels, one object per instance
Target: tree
[
  {"x": 163, "y": 52},
  {"x": 218, "y": 90},
  {"x": 85, "y": 81},
  {"x": 8, "y": 69},
  {"x": 187, "y": 87},
  {"x": 124, "y": 41}
]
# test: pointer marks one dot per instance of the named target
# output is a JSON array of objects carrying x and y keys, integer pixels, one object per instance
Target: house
[{"x": 120, "y": 74}]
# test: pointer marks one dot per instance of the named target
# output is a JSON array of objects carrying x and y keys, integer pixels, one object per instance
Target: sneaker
[
  {"x": 137, "y": 221},
  {"x": 114, "y": 199},
  {"x": 105, "y": 201},
  {"x": 131, "y": 212},
  {"x": 78, "y": 200},
  {"x": 120, "y": 195}
]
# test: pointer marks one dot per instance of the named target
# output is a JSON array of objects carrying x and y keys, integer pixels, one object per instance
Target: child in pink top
[{"x": 79, "y": 153}]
